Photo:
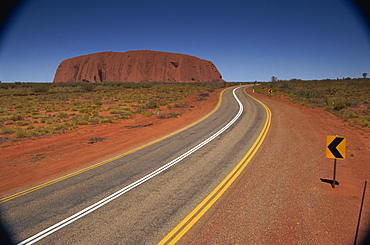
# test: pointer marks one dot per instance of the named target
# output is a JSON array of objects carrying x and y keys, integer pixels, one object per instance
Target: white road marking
[{"x": 122, "y": 191}]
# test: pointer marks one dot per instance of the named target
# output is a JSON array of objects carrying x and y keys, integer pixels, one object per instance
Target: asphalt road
[{"x": 148, "y": 211}]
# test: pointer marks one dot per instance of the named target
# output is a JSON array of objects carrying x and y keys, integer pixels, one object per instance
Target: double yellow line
[
  {"x": 207, "y": 203},
  {"x": 37, "y": 187}
]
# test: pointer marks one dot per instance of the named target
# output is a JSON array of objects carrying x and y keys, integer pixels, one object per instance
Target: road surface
[{"x": 141, "y": 197}]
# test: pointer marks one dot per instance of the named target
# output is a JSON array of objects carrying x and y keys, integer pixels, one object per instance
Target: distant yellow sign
[
  {"x": 336, "y": 147},
  {"x": 270, "y": 91}
]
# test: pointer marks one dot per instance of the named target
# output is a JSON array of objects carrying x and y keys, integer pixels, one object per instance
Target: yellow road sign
[
  {"x": 336, "y": 147},
  {"x": 270, "y": 91}
]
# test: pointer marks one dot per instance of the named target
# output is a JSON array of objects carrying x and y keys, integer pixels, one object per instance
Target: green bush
[
  {"x": 7, "y": 130},
  {"x": 62, "y": 115},
  {"x": 98, "y": 103},
  {"x": 147, "y": 113},
  {"x": 339, "y": 106},
  {"x": 151, "y": 104},
  {"x": 106, "y": 120},
  {"x": 16, "y": 117},
  {"x": 88, "y": 87},
  {"x": 114, "y": 111},
  {"x": 20, "y": 133},
  {"x": 23, "y": 123},
  {"x": 40, "y": 88},
  {"x": 82, "y": 122}
]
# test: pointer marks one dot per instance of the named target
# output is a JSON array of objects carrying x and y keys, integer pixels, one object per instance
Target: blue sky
[{"x": 247, "y": 40}]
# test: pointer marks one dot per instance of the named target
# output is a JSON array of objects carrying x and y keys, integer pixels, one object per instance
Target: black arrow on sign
[{"x": 333, "y": 147}]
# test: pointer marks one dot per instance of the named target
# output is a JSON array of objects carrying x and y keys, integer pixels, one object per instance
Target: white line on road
[{"x": 122, "y": 191}]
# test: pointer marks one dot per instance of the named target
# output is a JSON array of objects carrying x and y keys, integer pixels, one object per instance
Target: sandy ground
[
  {"x": 289, "y": 205},
  {"x": 30, "y": 162}
]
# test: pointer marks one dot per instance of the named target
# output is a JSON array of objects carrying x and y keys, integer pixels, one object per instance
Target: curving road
[{"x": 141, "y": 197}]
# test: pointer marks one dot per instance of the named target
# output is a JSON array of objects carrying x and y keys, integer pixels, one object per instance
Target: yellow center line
[
  {"x": 37, "y": 187},
  {"x": 175, "y": 235}
]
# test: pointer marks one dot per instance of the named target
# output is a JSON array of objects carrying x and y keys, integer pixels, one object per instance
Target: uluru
[{"x": 137, "y": 66}]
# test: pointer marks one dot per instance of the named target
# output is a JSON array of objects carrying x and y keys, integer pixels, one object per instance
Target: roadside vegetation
[
  {"x": 346, "y": 98},
  {"x": 39, "y": 109}
]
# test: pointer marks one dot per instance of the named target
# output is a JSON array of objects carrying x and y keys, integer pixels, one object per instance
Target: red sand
[{"x": 29, "y": 162}]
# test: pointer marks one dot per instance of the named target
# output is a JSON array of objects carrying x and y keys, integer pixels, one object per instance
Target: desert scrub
[
  {"x": 98, "y": 102},
  {"x": 88, "y": 87},
  {"x": 114, "y": 111},
  {"x": 341, "y": 97},
  {"x": 7, "y": 130},
  {"x": 147, "y": 113},
  {"x": 106, "y": 120},
  {"x": 40, "y": 102},
  {"x": 84, "y": 111},
  {"x": 40, "y": 88},
  {"x": 23, "y": 123},
  {"x": 151, "y": 104},
  {"x": 52, "y": 120},
  {"x": 16, "y": 117},
  {"x": 21, "y": 133},
  {"x": 62, "y": 115}
]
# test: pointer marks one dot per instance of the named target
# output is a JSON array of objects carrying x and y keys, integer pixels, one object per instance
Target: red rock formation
[{"x": 137, "y": 66}]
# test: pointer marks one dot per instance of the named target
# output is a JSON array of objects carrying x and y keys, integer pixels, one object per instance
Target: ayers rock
[{"x": 137, "y": 66}]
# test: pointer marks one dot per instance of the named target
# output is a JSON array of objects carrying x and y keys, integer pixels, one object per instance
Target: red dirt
[
  {"x": 281, "y": 199},
  {"x": 30, "y": 162},
  {"x": 289, "y": 205}
]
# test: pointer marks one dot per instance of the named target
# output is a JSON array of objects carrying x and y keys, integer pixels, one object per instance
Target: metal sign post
[
  {"x": 335, "y": 170},
  {"x": 335, "y": 149}
]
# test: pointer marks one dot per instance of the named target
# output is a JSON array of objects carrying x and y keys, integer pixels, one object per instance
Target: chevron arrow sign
[{"x": 336, "y": 147}]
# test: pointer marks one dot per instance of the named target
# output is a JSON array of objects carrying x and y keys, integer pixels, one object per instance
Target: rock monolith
[{"x": 137, "y": 66}]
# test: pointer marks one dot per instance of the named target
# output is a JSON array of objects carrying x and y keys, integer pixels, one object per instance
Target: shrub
[
  {"x": 106, "y": 120},
  {"x": 114, "y": 111},
  {"x": 40, "y": 88},
  {"x": 151, "y": 104},
  {"x": 16, "y": 117},
  {"x": 33, "y": 132},
  {"x": 82, "y": 122},
  {"x": 52, "y": 120},
  {"x": 88, "y": 87},
  {"x": 147, "y": 113},
  {"x": 176, "y": 113},
  {"x": 83, "y": 111},
  {"x": 70, "y": 125},
  {"x": 351, "y": 115},
  {"x": 60, "y": 127},
  {"x": 94, "y": 120},
  {"x": 20, "y": 133},
  {"x": 23, "y": 123},
  {"x": 339, "y": 106},
  {"x": 62, "y": 115},
  {"x": 7, "y": 130}
]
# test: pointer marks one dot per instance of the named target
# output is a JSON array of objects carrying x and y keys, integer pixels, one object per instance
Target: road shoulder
[{"x": 280, "y": 199}]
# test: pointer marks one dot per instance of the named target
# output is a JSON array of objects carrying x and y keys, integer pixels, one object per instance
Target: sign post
[
  {"x": 335, "y": 149},
  {"x": 269, "y": 91}
]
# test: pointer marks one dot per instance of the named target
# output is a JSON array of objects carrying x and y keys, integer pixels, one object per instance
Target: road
[{"x": 130, "y": 201}]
